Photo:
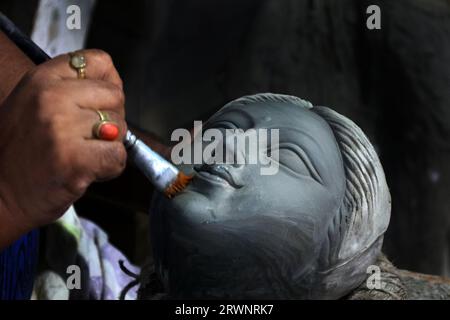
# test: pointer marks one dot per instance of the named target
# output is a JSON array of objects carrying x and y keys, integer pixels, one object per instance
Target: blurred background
[{"x": 181, "y": 60}]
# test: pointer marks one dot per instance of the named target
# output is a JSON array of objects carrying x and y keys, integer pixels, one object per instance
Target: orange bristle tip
[{"x": 178, "y": 185}]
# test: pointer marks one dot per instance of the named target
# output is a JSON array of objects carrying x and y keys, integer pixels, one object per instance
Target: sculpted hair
[
  {"x": 356, "y": 234},
  {"x": 271, "y": 97},
  {"x": 366, "y": 208}
]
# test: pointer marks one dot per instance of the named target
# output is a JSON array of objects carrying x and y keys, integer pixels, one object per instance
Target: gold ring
[
  {"x": 104, "y": 116},
  {"x": 78, "y": 62},
  {"x": 105, "y": 129}
]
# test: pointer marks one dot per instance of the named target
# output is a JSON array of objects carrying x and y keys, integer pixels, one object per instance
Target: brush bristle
[{"x": 178, "y": 185}]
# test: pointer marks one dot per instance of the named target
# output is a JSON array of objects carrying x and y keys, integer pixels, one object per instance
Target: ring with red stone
[{"x": 105, "y": 129}]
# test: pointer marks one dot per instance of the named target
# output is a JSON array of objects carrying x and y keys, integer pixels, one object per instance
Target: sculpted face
[{"x": 239, "y": 234}]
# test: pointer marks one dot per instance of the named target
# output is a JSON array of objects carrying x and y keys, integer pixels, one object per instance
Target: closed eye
[{"x": 295, "y": 159}]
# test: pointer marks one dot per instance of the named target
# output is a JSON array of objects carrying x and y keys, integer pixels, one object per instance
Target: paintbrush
[{"x": 162, "y": 174}]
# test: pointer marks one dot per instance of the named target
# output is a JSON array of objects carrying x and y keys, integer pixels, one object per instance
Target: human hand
[{"x": 48, "y": 155}]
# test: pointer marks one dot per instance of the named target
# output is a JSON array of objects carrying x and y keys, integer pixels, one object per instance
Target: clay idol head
[{"x": 310, "y": 230}]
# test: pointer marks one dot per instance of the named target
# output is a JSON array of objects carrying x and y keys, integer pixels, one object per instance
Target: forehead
[
  {"x": 270, "y": 114},
  {"x": 294, "y": 122}
]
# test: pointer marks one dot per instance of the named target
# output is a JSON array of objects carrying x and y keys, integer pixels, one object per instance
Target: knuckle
[
  {"x": 120, "y": 82},
  {"x": 119, "y": 97},
  {"x": 102, "y": 56},
  {"x": 122, "y": 156},
  {"x": 123, "y": 127},
  {"x": 116, "y": 157}
]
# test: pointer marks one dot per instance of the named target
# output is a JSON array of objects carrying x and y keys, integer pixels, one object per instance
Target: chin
[{"x": 232, "y": 259}]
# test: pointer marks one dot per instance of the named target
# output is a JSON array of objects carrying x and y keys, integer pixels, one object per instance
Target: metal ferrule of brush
[{"x": 157, "y": 169}]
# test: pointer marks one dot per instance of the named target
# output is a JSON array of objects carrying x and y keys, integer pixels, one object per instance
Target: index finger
[{"x": 99, "y": 66}]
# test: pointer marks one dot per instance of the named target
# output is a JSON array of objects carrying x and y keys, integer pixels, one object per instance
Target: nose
[{"x": 235, "y": 149}]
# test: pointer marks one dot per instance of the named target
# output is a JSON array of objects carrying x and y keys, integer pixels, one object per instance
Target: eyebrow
[{"x": 243, "y": 116}]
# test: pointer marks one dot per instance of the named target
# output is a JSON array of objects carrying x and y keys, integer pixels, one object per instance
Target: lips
[{"x": 218, "y": 174}]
